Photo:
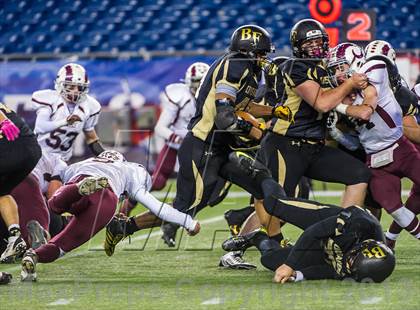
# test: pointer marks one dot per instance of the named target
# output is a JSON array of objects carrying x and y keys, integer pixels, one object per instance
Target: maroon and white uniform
[
  {"x": 54, "y": 134},
  {"x": 391, "y": 155},
  {"x": 178, "y": 107},
  {"x": 93, "y": 212},
  {"x": 30, "y": 193}
]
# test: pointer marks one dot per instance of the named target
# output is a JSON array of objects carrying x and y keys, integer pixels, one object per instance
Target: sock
[
  {"x": 414, "y": 228},
  {"x": 406, "y": 219},
  {"x": 389, "y": 235},
  {"x": 131, "y": 226},
  {"x": 14, "y": 230}
]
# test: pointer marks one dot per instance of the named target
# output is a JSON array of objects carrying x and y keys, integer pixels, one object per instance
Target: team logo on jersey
[{"x": 247, "y": 34}]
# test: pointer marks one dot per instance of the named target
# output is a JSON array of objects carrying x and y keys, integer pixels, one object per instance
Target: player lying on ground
[
  {"x": 336, "y": 244},
  {"x": 90, "y": 193}
]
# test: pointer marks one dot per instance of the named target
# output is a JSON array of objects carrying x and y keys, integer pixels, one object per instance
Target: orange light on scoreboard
[
  {"x": 327, "y": 12},
  {"x": 358, "y": 25}
]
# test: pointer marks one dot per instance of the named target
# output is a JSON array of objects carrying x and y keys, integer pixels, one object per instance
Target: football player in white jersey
[
  {"x": 91, "y": 194},
  {"x": 178, "y": 107},
  {"x": 390, "y": 155},
  {"x": 65, "y": 112}
]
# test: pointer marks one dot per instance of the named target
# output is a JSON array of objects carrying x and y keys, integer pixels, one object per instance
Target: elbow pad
[
  {"x": 96, "y": 147},
  {"x": 225, "y": 115}
]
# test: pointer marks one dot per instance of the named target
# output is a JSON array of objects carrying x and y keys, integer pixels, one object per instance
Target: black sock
[
  {"x": 131, "y": 226},
  {"x": 264, "y": 243}
]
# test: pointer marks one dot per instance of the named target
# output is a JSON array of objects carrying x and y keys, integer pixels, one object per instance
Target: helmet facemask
[
  {"x": 313, "y": 48},
  {"x": 339, "y": 72},
  {"x": 72, "y": 92}
]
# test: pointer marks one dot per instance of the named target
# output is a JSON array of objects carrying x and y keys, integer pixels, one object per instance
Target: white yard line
[
  {"x": 313, "y": 194},
  {"x": 61, "y": 302}
]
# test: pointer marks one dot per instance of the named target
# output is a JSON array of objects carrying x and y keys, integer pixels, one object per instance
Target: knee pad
[{"x": 403, "y": 216}]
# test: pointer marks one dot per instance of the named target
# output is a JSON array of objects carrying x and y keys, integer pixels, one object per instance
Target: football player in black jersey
[
  {"x": 292, "y": 150},
  {"x": 19, "y": 154},
  {"x": 336, "y": 243}
]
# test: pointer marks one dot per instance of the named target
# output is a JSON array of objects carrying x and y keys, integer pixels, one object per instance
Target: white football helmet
[
  {"x": 194, "y": 74},
  {"x": 72, "y": 83},
  {"x": 112, "y": 155},
  {"x": 345, "y": 53},
  {"x": 380, "y": 48}
]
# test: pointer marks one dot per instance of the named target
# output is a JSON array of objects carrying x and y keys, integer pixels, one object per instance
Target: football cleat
[
  {"x": 115, "y": 232},
  {"x": 234, "y": 260},
  {"x": 37, "y": 234},
  {"x": 169, "y": 233},
  {"x": 16, "y": 246},
  {"x": 240, "y": 243},
  {"x": 5, "y": 278},
  {"x": 28, "y": 272},
  {"x": 91, "y": 185}
]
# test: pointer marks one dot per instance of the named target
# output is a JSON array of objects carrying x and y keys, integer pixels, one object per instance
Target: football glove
[
  {"x": 5, "y": 278},
  {"x": 283, "y": 113},
  {"x": 244, "y": 126},
  {"x": 10, "y": 130}
]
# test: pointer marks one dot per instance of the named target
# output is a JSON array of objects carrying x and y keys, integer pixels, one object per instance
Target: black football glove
[
  {"x": 5, "y": 277},
  {"x": 244, "y": 126}
]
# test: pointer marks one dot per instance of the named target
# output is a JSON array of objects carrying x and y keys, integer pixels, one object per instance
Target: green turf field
[{"x": 146, "y": 275}]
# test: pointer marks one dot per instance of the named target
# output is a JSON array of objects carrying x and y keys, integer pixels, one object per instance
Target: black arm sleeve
[
  {"x": 318, "y": 272},
  {"x": 96, "y": 147},
  {"x": 310, "y": 241}
]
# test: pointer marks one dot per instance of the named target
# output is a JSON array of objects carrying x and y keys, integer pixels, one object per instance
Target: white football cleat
[
  {"x": 234, "y": 260},
  {"x": 28, "y": 272},
  {"x": 15, "y": 247},
  {"x": 91, "y": 185}
]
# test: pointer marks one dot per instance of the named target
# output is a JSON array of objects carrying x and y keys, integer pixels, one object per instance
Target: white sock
[{"x": 391, "y": 236}]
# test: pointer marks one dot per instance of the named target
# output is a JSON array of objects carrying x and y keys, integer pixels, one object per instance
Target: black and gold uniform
[
  {"x": 295, "y": 149},
  {"x": 204, "y": 153},
  {"x": 328, "y": 245},
  {"x": 18, "y": 157}
]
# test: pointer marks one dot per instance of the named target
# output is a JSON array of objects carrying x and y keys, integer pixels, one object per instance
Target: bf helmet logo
[
  {"x": 247, "y": 34},
  {"x": 376, "y": 252}
]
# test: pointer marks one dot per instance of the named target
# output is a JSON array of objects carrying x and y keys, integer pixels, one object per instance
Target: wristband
[{"x": 342, "y": 108}]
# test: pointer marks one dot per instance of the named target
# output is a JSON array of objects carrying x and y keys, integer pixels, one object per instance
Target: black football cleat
[
  {"x": 5, "y": 278},
  {"x": 115, "y": 232},
  {"x": 169, "y": 233},
  {"x": 235, "y": 218},
  {"x": 240, "y": 243}
]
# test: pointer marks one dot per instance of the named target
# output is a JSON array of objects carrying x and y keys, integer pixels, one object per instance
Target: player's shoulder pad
[
  {"x": 177, "y": 93},
  {"x": 93, "y": 104},
  {"x": 45, "y": 98},
  {"x": 372, "y": 65}
]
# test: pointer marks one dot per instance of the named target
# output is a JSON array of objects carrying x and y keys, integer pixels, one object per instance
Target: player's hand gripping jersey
[
  {"x": 308, "y": 123},
  {"x": 55, "y": 133},
  {"x": 385, "y": 124}
]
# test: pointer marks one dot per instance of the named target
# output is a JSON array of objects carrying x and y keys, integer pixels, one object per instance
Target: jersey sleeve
[
  {"x": 59, "y": 168},
  {"x": 407, "y": 100},
  {"x": 140, "y": 180},
  {"x": 376, "y": 73},
  {"x": 231, "y": 74},
  {"x": 170, "y": 112},
  {"x": 93, "y": 118},
  {"x": 40, "y": 101},
  {"x": 295, "y": 72}
]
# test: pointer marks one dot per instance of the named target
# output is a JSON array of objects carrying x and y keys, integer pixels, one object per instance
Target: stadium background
[{"x": 132, "y": 48}]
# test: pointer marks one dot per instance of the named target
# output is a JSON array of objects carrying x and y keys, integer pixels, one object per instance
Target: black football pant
[
  {"x": 17, "y": 159},
  {"x": 288, "y": 159}
]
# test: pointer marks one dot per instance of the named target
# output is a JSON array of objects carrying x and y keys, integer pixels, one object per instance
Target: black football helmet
[
  {"x": 370, "y": 260},
  {"x": 308, "y": 29},
  {"x": 251, "y": 40}
]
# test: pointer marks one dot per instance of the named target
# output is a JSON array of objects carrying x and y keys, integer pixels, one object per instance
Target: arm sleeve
[
  {"x": 309, "y": 240},
  {"x": 319, "y": 272},
  {"x": 43, "y": 124},
  {"x": 164, "y": 211}
]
